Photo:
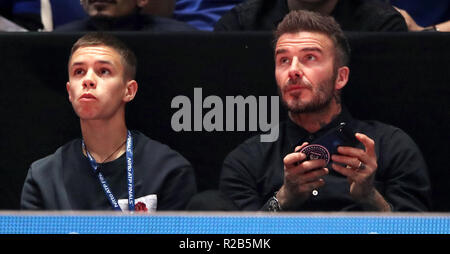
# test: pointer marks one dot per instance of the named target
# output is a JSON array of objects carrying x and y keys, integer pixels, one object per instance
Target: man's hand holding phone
[
  {"x": 360, "y": 169},
  {"x": 301, "y": 177},
  {"x": 303, "y": 173}
]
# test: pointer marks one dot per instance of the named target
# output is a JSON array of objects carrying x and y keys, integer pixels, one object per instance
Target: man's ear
[
  {"x": 142, "y": 3},
  {"x": 342, "y": 77},
  {"x": 131, "y": 90}
]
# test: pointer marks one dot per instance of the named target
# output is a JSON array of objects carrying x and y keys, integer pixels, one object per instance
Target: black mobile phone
[{"x": 326, "y": 145}]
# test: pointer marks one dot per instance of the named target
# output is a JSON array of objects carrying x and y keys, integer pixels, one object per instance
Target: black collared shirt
[
  {"x": 352, "y": 15},
  {"x": 254, "y": 171}
]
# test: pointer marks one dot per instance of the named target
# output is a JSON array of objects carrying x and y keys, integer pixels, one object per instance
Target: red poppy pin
[{"x": 140, "y": 207}]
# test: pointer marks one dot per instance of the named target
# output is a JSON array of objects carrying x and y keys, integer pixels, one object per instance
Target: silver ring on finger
[{"x": 361, "y": 165}]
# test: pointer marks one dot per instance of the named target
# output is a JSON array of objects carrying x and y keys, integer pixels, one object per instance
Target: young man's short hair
[{"x": 99, "y": 38}]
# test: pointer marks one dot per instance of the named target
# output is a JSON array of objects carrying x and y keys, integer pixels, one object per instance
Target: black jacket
[{"x": 65, "y": 180}]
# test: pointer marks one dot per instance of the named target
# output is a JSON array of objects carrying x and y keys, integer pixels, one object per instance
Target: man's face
[
  {"x": 305, "y": 71},
  {"x": 109, "y": 8},
  {"x": 97, "y": 88}
]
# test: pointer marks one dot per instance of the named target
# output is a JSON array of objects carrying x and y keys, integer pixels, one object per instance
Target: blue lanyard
[{"x": 130, "y": 176}]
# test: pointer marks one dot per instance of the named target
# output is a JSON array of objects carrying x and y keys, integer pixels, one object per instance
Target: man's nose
[
  {"x": 89, "y": 81},
  {"x": 295, "y": 70}
]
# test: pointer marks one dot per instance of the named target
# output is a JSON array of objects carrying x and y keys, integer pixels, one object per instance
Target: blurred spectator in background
[
  {"x": 56, "y": 13},
  {"x": 50, "y": 14},
  {"x": 202, "y": 14},
  {"x": 34, "y": 15},
  {"x": 423, "y": 15},
  {"x": 66, "y": 11},
  {"x": 24, "y": 13},
  {"x": 352, "y": 15},
  {"x": 122, "y": 15},
  {"x": 37, "y": 15},
  {"x": 163, "y": 8}
]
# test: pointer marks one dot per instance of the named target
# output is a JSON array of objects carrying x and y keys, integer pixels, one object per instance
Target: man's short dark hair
[
  {"x": 300, "y": 20},
  {"x": 100, "y": 38}
]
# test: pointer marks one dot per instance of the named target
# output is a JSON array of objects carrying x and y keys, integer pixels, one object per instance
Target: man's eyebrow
[
  {"x": 307, "y": 49},
  {"x": 77, "y": 63},
  {"x": 105, "y": 62},
  {"x": 100, "y": 61},
  {"x": 280, "y": 51}
]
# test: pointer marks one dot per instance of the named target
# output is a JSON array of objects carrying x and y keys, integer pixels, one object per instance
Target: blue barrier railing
[{"x": 222, "y": 223}]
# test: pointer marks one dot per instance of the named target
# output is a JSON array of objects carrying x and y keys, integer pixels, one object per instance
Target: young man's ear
[
  {"x": 342, "y": 77},
  {"x": 68, "y": 91},
  {"x": 131, "y": 90},
  {"x": 142, "y": 3}
]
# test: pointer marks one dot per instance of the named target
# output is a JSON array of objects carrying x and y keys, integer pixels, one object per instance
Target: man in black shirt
[
  {"x": 352, "y": 15},
  {"x": 122, "y": 15},
  {"x": 383, "y": 171},
  {"x": 111, "y": 167}
]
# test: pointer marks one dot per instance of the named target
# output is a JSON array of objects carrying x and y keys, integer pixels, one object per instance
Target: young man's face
[
  {"x": 109, "y": 8},
  {"x": 97, "y": 88},
  {"x": 305, "y": 71}
]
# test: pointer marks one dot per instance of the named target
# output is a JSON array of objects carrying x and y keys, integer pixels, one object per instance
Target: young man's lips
[{"x": 87, "y": 96}]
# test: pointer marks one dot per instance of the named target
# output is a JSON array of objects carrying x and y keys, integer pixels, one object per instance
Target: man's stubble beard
[{"x": 323, "y": 94}]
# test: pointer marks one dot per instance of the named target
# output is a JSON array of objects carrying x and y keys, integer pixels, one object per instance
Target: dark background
[{"x": 401, "y": 79}]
